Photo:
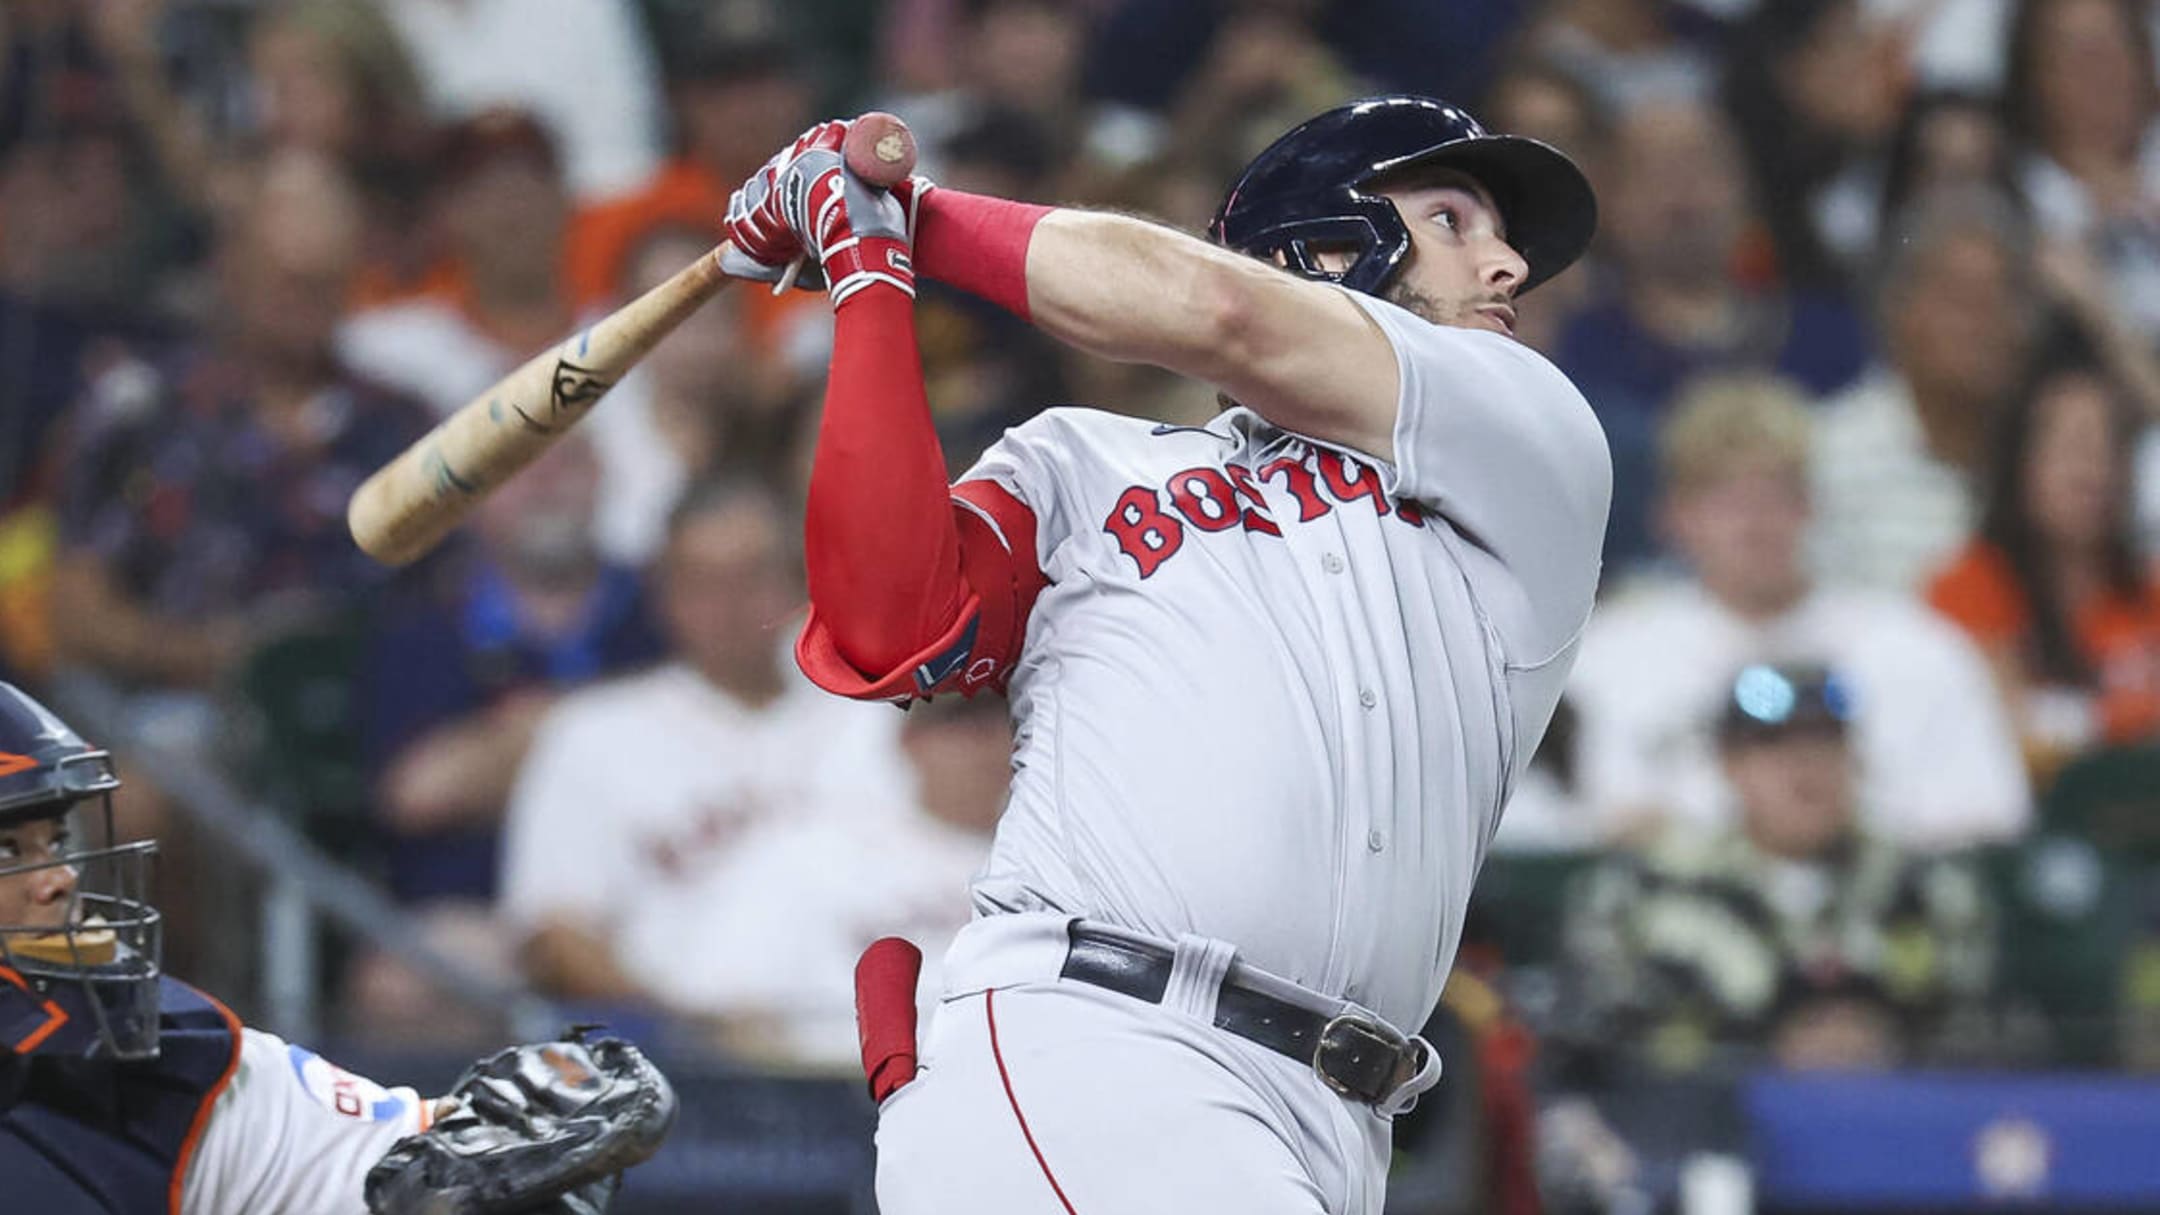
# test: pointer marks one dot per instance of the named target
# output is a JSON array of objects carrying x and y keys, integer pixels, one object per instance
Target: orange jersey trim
[{"x": 202, "y": 1112}]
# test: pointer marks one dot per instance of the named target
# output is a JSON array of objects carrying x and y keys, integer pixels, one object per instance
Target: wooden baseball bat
[{"x": 411, "y": 503}]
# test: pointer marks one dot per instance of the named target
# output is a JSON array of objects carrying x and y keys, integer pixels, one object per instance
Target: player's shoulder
[{"x": 1078, "y": 441}]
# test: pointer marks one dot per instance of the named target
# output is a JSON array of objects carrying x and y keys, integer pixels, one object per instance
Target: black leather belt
[{"x": 1357, "y": 1056}]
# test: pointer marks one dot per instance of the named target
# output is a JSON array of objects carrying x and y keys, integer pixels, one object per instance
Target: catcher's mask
[
  {"x": 1318, "y": 186},
  {"x": 80, "y": 943}
]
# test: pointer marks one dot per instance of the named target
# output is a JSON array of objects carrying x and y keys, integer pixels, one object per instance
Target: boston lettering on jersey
[{"x": 1149, "y": 524}]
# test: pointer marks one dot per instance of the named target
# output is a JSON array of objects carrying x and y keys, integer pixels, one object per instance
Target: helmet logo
[{"x": 11, "y": 763}]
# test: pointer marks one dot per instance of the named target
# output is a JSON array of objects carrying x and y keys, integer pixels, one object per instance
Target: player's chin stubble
[{"x": 1412, "y": 300}]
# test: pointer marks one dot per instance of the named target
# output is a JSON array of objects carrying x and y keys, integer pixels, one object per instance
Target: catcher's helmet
[
  {"x": 84, "y": 981},
  {"x": 1310, "y": 187}
]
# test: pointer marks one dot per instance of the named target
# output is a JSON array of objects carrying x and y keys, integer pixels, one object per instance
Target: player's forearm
[{"x": 882, "y": 552}]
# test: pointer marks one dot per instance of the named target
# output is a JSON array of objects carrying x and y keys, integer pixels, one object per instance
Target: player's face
[
  {"x": 1461, "y": 270},
  {"x": 40, "y": 897}
]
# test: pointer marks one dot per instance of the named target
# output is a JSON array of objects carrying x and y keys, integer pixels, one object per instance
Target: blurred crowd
[{"x": 1859, "y": 763}]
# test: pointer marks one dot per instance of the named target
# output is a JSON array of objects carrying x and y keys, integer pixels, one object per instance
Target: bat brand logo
[{"x": 576, "y": 388}]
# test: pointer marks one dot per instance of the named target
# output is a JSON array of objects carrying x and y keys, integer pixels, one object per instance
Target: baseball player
[
  {"x": 1272, "y": 678},
  {"x": 125, "y": 1091}
]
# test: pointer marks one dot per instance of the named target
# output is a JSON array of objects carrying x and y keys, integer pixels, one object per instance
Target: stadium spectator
[
  {"x": 704, "y": 398},
  {"x": 584, "y": 67},
  {"x": 332, "y": 77},
  {"x": 103, "y": 169},
  {"x": 1535, "y": 97},
  {"x": 1793, "y": 932},
  {"x": 1937, "y": 762},
  {"x": 1674, "y": 220},
  {"x": 1021, "y": 55},
  {"x": 456, "y": 688},
  {"x": 1898, "y": 455},
  {"x": 451, "y": 690},
  {"x": 1816, "y": 88},
  {"x": 1627, "y": 50},
  {"x": 733, "y": 103},
  {"x": 1945, "y": 139},
  {"x": 2080, "y": 96},
  {"x": 502, "y": 204},
  {"x": 706, "y": 767},
  {"x": 205, "y": 486},
  {"x": 2053, "y": 586}
]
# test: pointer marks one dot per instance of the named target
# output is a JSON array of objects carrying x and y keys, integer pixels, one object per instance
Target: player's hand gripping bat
[{"x": 411, "y": 503}]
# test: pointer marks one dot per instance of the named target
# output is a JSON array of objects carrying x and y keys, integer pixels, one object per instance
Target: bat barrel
[{"x": 411, "y": 503}]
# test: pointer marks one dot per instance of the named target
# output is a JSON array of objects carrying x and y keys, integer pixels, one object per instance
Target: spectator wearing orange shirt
[
  {"x": 732, "y": 103},
  {"x": 2053, "y": 587}
]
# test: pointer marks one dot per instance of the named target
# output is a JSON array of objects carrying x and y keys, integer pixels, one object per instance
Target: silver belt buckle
[{"x": 1353, "y": 1031}]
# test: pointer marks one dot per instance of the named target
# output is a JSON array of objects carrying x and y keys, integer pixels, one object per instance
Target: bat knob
[{"x": 879, "y": 149}]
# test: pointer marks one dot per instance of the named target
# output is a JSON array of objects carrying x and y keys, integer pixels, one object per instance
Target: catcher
[{"x": 123, "y": 1090}]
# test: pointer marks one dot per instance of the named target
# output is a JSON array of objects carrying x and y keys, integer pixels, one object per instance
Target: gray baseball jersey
[{"x": 1277, "y": 692}]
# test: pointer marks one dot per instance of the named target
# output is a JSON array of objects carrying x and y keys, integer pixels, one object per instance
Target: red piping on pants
[{"x": 990, "y": 1013}]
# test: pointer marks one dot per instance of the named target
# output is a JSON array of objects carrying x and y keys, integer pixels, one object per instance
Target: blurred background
[{"x": 1835, "y": 887}]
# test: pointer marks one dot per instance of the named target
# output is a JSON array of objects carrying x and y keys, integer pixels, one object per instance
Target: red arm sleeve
[{"x": 912, "y": 585}]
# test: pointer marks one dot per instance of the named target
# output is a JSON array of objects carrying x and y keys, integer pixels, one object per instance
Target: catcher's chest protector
[{"x": 106, "y": 1139}]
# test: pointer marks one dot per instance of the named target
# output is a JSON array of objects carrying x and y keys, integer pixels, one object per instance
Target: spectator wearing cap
[
  {"x": 2053, "y": 585},
  {"x": 1792, "y": 933},
  {"x": 1937, "y": 762},
  {"x": 584, "y": 67}
]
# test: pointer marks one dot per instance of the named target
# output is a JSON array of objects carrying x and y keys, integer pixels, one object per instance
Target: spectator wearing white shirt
[
  {"x": 1896, "y": 456},
  {"x": 718, "y": 838},
  {"x": 1938, "y": 763}
]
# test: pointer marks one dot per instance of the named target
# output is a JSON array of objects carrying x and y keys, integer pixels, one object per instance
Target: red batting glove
[{"x": 757, "y": 228}]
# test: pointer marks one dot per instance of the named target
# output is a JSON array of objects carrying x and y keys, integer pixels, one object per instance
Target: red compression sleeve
[
  {"x": 882, "y": 547},
  {"x": 978, "y": 244}
]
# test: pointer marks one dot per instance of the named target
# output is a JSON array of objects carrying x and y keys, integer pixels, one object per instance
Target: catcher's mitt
[{"x": 542, "y": 1129}]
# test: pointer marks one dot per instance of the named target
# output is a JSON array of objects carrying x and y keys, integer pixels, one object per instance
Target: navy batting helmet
[
  {"x": 79, "y": 940},
  {"x": 1312, "y": 188}
]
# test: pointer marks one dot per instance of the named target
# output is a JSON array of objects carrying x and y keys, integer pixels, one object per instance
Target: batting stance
[
  {"x": 124, "y": 1091},
  {"x": 1272, "y": 678}
]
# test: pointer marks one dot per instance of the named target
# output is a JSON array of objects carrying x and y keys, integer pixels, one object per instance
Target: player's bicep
[{"x": 1304, "y": 356}]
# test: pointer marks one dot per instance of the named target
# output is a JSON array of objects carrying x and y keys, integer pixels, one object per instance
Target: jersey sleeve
[
  {"x": 1001, "y": 547},
  {"x": 293, "y": 1132},
  {"x": 1499, "y": 443}
]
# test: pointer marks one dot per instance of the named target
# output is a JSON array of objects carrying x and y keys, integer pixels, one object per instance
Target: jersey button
[
  {"x": 1366, "y": 697},
  {"x": 1376, "y": 840},
  {"x": 1331, "y": 563}
]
